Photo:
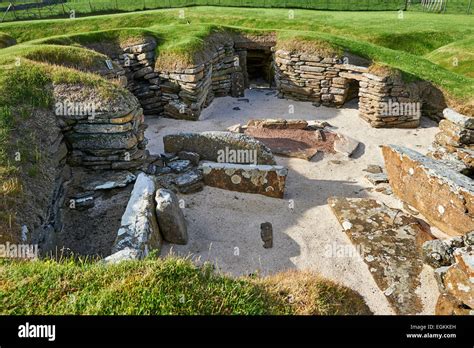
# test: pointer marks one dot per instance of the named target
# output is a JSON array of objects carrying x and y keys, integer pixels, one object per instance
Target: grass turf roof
[{"x": 180, "y": 42}]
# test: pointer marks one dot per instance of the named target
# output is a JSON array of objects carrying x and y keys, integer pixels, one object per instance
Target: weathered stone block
[
  {"x": 170, "y": 217},
  {"x": 443, "y": 196},
  {"x": 219, "y": 146},
  {"x": 266, "y": 180}
]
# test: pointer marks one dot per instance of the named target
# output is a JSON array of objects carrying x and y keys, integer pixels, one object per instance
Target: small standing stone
[{"x": 266, "y": 232}]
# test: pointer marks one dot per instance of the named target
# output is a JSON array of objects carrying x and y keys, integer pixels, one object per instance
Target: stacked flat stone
[
  {"x": 138, "y": 61},
  {"x": 186, "y": 92},
  {"x": 112, "y": 140},
  {"x": 454, "y": 144},
  {"x": 377, "y": 94},
  {"x": 310, "y": 78},
  {"x": 323, "y": 80}
]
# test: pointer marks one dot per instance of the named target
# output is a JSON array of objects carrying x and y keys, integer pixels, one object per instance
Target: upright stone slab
[
  {"x": 223, "y": 147},
  {"x": 390, "y": 243},
  {"x": 443, "y": 196},
  {"x": 262, "y": 179},
  {"x": 139, "y": 229},
  {"x": 170, "y": 217}
]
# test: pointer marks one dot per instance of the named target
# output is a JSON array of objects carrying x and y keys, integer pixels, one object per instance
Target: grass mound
[
  {"x": 163, "y": 287},
  {"x": 457, "y": 57}
]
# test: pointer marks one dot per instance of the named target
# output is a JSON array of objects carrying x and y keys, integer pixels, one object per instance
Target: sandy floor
[{"x": 224, "y": 227}]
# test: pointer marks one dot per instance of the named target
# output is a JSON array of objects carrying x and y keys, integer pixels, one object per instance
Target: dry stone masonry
[
  {"x": 106, "y": 135},
  {"x": 384, "y": 101},
  {"x": 454, "y": 144},
  {"x": 143, "y": 81}
]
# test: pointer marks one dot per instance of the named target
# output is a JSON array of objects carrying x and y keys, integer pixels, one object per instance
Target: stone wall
[
  {"x": 324, "y": 80},
  {"x": 142, "y": 79},
  {"x": 186, "y": 92},
  {"x": 454, "y": 144},
  {"x": 110, "y": 137}
]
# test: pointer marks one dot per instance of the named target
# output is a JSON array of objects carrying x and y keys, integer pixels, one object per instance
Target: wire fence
[{"x": 41, "y": 9}]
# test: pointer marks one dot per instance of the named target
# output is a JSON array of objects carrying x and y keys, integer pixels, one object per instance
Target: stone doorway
[
  {"x": 352, "y": 91},
  {"x": 259, "y": 68}
]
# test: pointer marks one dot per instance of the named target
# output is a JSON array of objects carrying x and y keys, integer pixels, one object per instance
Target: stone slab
[
  {"x": 139, "y": 229},
  {"x": 211, "y": 145},
  {"x": 443, "y": 196},
  {"x": 267, "y": 180},
  {"x": 389, "y": 242}
]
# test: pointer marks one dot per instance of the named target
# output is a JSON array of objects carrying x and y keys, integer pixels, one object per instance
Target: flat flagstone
[{"x": 389, "y": 242}]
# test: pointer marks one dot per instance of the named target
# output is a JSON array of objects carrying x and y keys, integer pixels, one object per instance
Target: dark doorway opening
[
  {"x": 260, "y": 68},
  {"x": 352, "y": 96}
]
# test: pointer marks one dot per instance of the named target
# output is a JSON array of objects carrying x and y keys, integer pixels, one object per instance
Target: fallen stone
[
  {"x": 189, "y": 182},
  {"x": 123, "y": 255},
  {"x": 443, "y": 196},
  {"x": 385, "y": 189},
  {"x": 377, "y": 179},
  {"x": 315, "y": 124},
  {"x": 459, "y": 119},
  {"x": 163, "y": 170},
  {"x": 170, "y": 217},
  {"x": 110, "y": 180},
  {"x": 389, "y": 242},
  {"x": 237, "y": 128},
  {"x": 190, "y": 156},
  {"x": 373, "y": 169},
  {"x": 449, "y": 305},
  {"x": 345, "y": 145},
  {"x": 180, "y": 166},
  {"x": 212, "y": 145},
  {"x": 454, "y": 243},
  {"x": 139, "y": 229},
  {"x": 465, "y": 260},
  {"x": 460, "y": 285},
  {"x": 82, "y": 201},
  {"x": 266, "y": 180},
  {"x": 266, "y": 233},
  {"x": 410, "y": 210},
  {"x": 436, "y": 253}
]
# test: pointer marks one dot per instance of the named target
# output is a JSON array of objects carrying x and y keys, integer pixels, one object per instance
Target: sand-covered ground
[{"x": 224, "y": 226}]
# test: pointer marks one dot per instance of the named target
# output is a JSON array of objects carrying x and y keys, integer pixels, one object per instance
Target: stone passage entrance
[{"x": 259, "y": 68}]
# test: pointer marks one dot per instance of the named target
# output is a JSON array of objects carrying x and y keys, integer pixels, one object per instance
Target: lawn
[
  {"x": 169, "y": 286},
  {"x": 401, "y": 42}
]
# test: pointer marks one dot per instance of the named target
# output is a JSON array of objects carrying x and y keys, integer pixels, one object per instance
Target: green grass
[
  {"x": 381, "y": 36},
  {"x": 163, "y": 287},
  {"x": 86, "y": 7},
  {"x": 457, "y": 57}
]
